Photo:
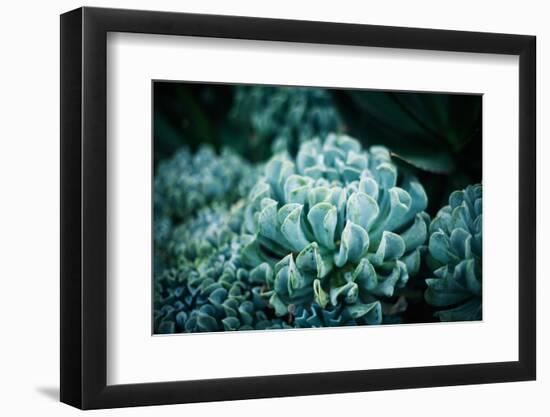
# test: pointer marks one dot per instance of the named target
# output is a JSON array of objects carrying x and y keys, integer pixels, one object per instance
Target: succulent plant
[
  {"x": 340, "y": 229},
  {"x": 455, "y": 248},
  {"x": 187, "y": 182},
  {"x": 285, "y": 116},
  {"x": 206, "y": 287},
  {"x": 212, "y": 227},
  {"x": 333, "y": 316}
]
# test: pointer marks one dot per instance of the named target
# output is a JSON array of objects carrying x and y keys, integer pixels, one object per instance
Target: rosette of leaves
[
  {"x": 207, "y": 287},
  {"x": 341, "y": 230},
  {"x": 455, "y": 248},
  {"x": 285, "y": 116},
  {"x": 188, "y": 182},
  {"x": 211, "y": 228}
]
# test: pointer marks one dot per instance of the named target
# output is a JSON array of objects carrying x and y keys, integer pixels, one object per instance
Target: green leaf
[{"x": 435, "y": 161}]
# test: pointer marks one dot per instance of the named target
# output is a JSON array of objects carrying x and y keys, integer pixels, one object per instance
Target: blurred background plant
[
  {"x": 435, "y": 136},
  {"x": 276, "y": 119},
  {"x": 211, "y": 142}
]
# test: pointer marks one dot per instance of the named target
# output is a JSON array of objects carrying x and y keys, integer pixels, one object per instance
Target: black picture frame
[{"x": 84, "y": 207}]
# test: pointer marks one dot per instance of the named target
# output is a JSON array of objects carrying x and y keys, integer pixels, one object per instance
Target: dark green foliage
[
  {"x": 427, "y": 130},
  {"x": 188, "y": 115},
  {"x": 437, "y": 135}
]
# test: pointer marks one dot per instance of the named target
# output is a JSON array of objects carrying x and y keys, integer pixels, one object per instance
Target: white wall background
[{"x": 29, "y": 211}]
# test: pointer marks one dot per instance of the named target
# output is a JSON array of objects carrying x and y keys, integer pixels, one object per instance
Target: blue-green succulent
[
  {"x": 337, "y": 229},
  {"x": 455, "y": 248},
  {"x": 286, "y": 116},
  {"x": 207, "y": 287},
  {"x": 340, "y": 315},
  {"x": 187, "y": 182},
  {"x": 211, "y": 228}
]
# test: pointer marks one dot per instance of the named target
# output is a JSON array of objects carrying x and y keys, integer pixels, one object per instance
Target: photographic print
[{"x": 282, "y": 207}]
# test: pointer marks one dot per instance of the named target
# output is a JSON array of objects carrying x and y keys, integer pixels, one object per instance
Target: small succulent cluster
[
  {"x": 286, "y": 116},
  {"x": 200, "y": 284},
  {"x": 189, "y": 182},
  {"x": 455, "y": 248},
  {"x": 207, "y": 287},
  {"x": 340, "y": 230}
]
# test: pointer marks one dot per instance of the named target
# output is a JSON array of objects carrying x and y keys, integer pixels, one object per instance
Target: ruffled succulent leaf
[
  {"x": 290, "y": 285},
  {"x": 353, "y": 246},
  {"x": 391, "y": 248},
  {"x": 362, "y": 210},
  {"x": 291, "y": 226},
  {"x": 372, "y": 312},
  {"x": 323, "y": 218},
  {"x": 312, "y": 261},
  {"x": 321, "y": 297},
  {"x": 347, "y": 293},
  {"x": 397, "y": 278},
  {"x": 365, "y": 276},
  {"x": 416, "y": 234},
  {"x": 261, "y": 274},
  {"x": 342, "y": 315}
]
